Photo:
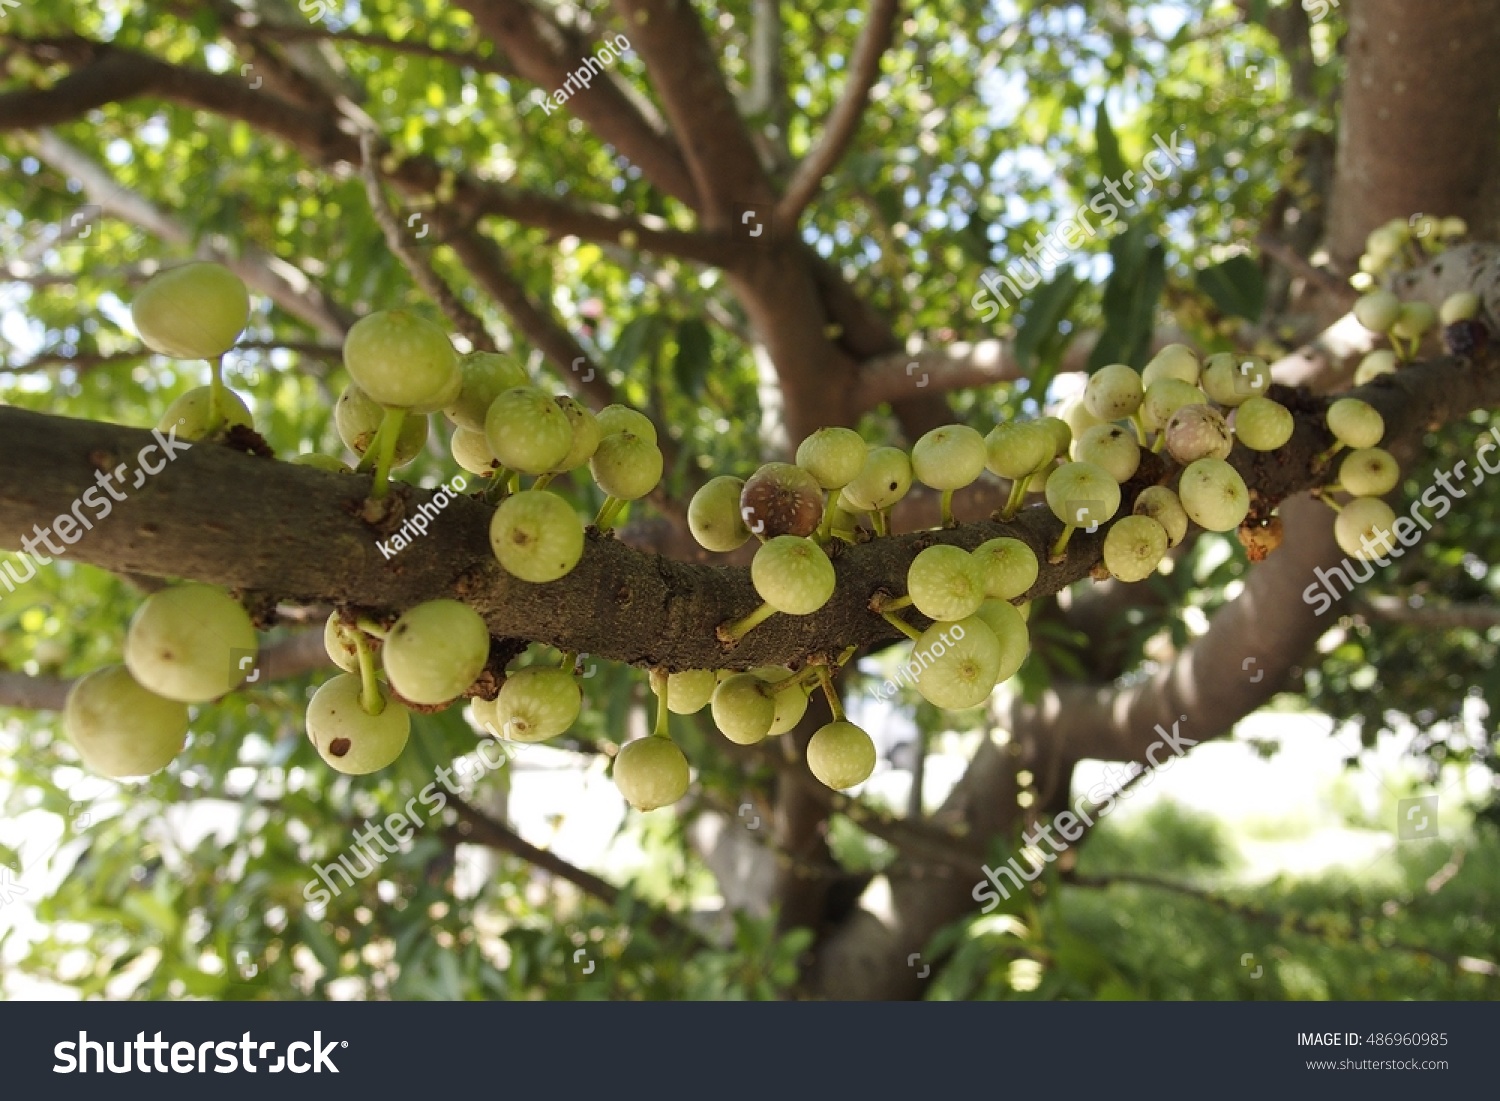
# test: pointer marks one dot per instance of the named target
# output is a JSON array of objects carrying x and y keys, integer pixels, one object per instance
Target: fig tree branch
[
  {"x": 294, "y": 533},
  {"x": 279, "y": 280},
  {"x": 477, "y": 828},
  {"x": 117, "y": 75},
  {"x": 862, "y": 72},
  {"x": 684, "y": 70},
  {"x": 546, "y": 53}
]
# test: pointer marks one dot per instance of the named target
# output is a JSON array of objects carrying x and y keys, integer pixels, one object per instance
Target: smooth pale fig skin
[
  {"x": 528, "y": 431},
  {"x": 1414, "y": 321},
  {"x": 884, "y": 480},
  {"x": 348, "y": 738},
  {"x": 790, "y": 699},
  {"x": 1364, "y": 528},
  {"x": 1214, "y": 495},
  {"x": 1163, "y": 506},
  {"x": 1174, "y": 361},
  {"x": 443, "y": 398},
  {"x": 1164, "y": 397},
  {"x": 1133, "y": 547},
  {"x": 1459, "y": 307},
  {"x": 834, "y": 456},
  {"x": 1377, "y": 311},
  {"x": 1263, "y": 425},
  {"x": 119, "y": 728},
  {"x": 690, "y": 691},
  {"x": 841, "y": 755},
  {"x": 626, "y": 466},
  {"x": 196, "y": 311},
  {"x": 188, "y": 413},
  {"x": 1112, "y": 449},
  {"x": 1198, "y": 432},
  {"x": 1083, "y": 495},
  {"x": 948, "y": 458},
  {"x": 1355, "y": 423},
  {"x": 1020, "y": 448},
  {"x": 1009, "y": 567},
  {"x": 536, "y": 536},
  {"x": 483, "y": 377},
  {"x": 1231, "y": 379},
  {"x": 793, "y": 575},
  {"x": 1115, "y": 392},
  {"x": 1062, "y": 435},
  {"x": 744, "y": 708},
  {"x": 185, "y": 642},
  {"x": 614, "y": 419},
  {"x": 945, "y": 583},
  {"x": 1369, "y": 472},
  {"x": 537, "y": 703},
  {"x": 962, "y": 663},
  {"x": 338, "y": 640},
  {"x": 1075, "y": 414},
  {"x": 1008, "y": 622},
  {"x": 651, "y": 772},
  {"x": 1377, "y": 363},
  {"x": 586, "y": 434},
  {"x": 435, "y": 651},
  {"x": 714, "y": 515},
  {"x": 781, "y": 499},
  {"x": 357, "y": 418},
  {"x": 471, "y": 451},
  {"x": 399, "y": 359}
]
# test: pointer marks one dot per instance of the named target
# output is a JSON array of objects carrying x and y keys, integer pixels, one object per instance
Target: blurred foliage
[{"x": 991, "y": 123}]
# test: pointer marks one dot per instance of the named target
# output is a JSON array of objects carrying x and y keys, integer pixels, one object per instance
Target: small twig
[
  {"x": 463, "y": 319},
  {"x": 1294, "y": 262}
]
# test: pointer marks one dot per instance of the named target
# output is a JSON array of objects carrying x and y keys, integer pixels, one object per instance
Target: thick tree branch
[
  {"x": 1426, "y": 617},
  {"x": 496, "y": 64},
  {"x": 477, "y": 828},
  {"x": 317, "y": 134},
  {"x": 684, "y": 70},
  {"x": 863, "y": 70},
  {"x": 280, "y": 281},
  {"x": 547, "y": 53},
  {"x": 295, "y": 534}
]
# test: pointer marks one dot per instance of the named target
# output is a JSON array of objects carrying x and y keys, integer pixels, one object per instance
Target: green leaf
[
  {"x": 1130, "y": 298},
  {"x": 694, "y": 354},
  {"x": 1236, "y": 286},
  {"x": 1107, "y": 145},
  {"x": 1039, "y": 332}
]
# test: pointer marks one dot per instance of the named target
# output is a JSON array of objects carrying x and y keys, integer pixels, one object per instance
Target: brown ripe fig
[
  {"x": 1198, "y": 432},
  {"x": 781, "y": 499}
]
